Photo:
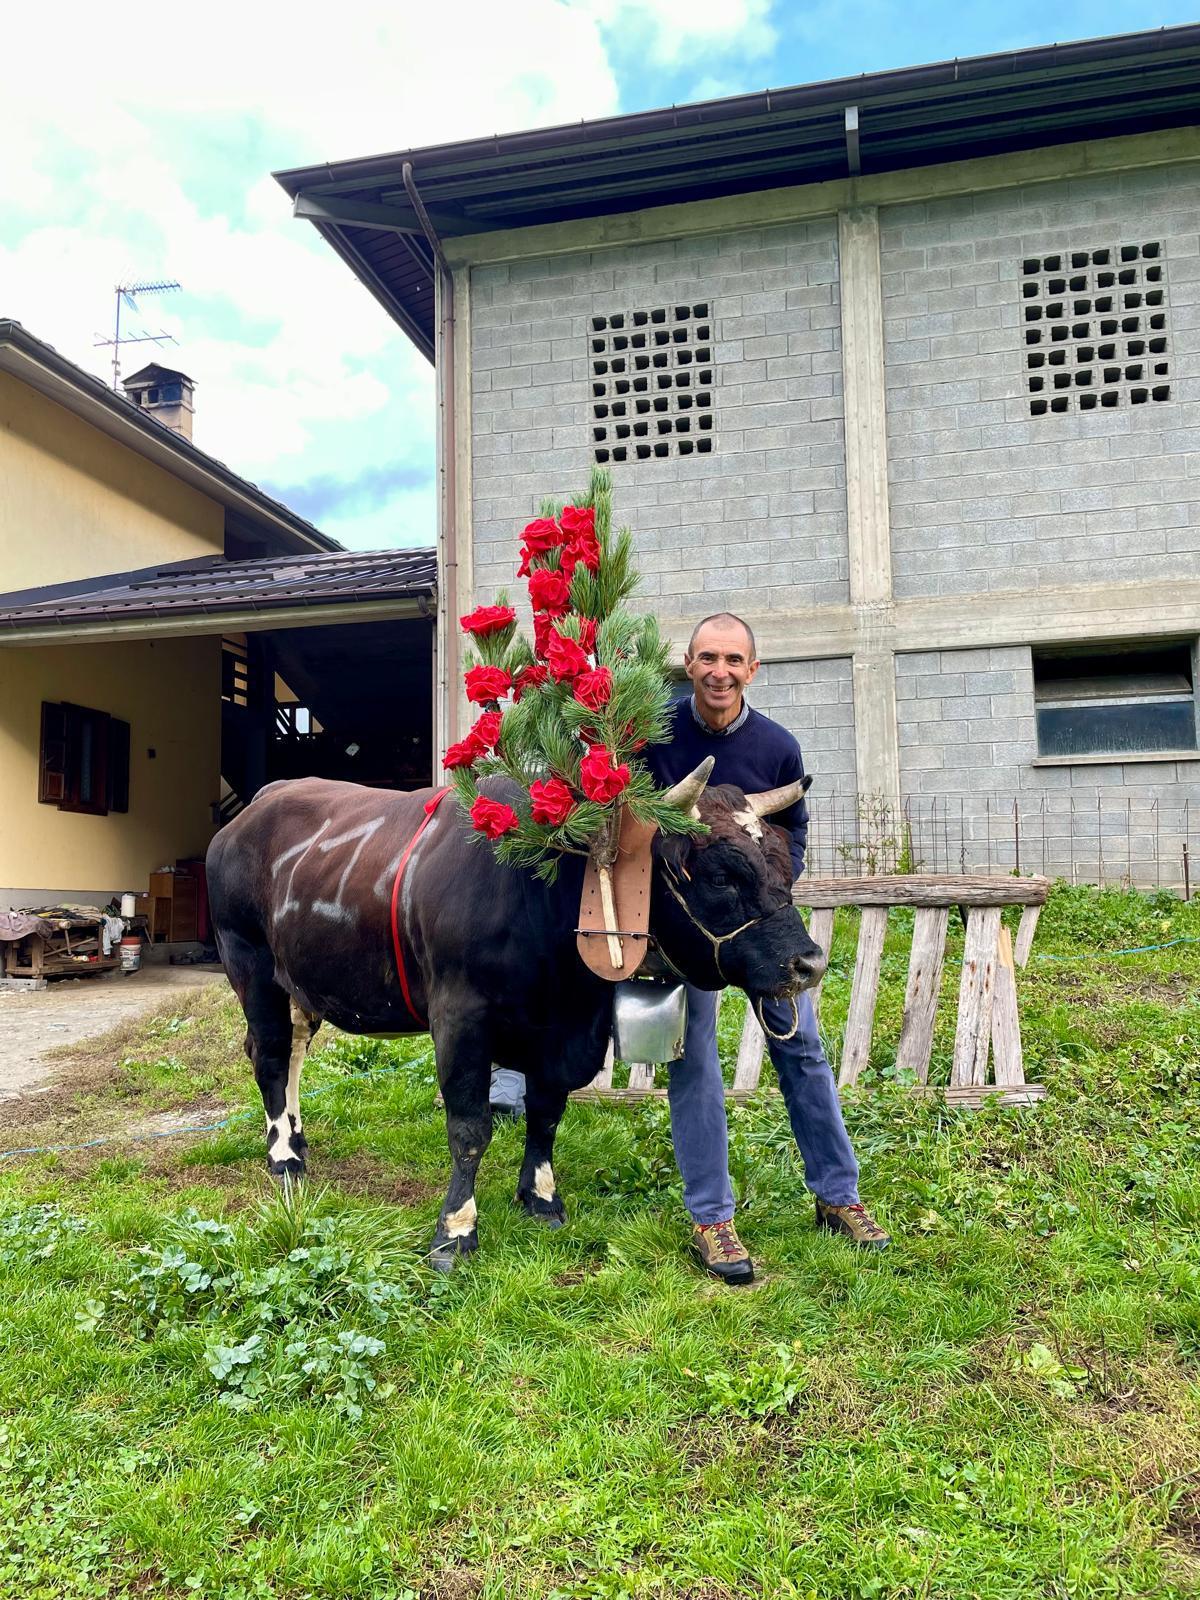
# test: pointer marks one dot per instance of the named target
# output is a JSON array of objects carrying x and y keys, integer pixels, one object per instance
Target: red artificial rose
[
  {"x": 628, "y": 732},
  {"x": 492, "y": 817},
  {"x": 593, "y": 689},
  {"x": 598, "y": 778},
  {"x": 587, "y": 635},
  {"x": 529, "y": 678},
  {"x": 488, "y": 619},
  {"x": 486, "y": 683},
  {"x": 550, "y": 592},
  {"x": 466, "y": 752},
  {"x": 487, "y": 730},
  {"x": 577, "y": 520},
  {"x": 553, "y": 801},
  {"x": 543, "y": 632},
  {"x": 541, "y": 535},
  {"x": 566, "y": 659}
]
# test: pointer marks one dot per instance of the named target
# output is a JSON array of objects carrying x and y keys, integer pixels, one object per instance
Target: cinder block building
[{"x": 905, "y": 369}]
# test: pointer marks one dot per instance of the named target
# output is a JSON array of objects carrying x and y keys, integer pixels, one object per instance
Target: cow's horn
[
  {"x": 688, "y": 790},
  {"x": 772, "y": 800}
]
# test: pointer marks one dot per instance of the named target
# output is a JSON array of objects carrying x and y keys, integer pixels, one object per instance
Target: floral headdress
[{"x": 566, "y": 717}]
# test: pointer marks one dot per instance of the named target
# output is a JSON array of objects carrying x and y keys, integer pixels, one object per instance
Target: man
[{"x": 756, "y": 754}]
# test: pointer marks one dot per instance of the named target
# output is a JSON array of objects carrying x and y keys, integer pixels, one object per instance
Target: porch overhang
[{"x": 217, "y": 595}]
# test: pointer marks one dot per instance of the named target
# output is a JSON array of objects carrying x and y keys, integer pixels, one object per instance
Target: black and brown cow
[{"x": 313, "y": 925}]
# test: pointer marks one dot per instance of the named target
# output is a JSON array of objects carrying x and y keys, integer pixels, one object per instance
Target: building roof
[
  {"x": 917, "y": 116},
  {"x": 40, "y": 365},
  {"x": 219, "y": 588}
]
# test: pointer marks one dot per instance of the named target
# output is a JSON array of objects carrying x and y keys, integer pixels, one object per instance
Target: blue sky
[{"x": 303, "y": 383}]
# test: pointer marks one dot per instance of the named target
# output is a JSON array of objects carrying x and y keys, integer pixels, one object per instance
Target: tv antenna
[{"x": 125, "y": 293}]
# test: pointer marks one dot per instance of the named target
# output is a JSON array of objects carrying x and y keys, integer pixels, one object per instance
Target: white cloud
[{"x": 299, "y": 371}]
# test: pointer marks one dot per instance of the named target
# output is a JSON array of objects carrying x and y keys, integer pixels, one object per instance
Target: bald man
[{"x": 756, "y": 754}]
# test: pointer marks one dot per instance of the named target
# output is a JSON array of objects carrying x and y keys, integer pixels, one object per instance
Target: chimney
[{"x": 165, "y": 395}]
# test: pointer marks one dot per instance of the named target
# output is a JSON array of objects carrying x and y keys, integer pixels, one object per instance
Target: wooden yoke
[{"x": 613, "y": 946}]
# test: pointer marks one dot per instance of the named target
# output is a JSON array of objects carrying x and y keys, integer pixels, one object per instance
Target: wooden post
[
  {"x": 641, "y": 1075},
  {"x": 1025, "y": 933},
  {"x": 1007, "y": 1061},
  {"x": 857, "y": 1046},
  {"x": 975, "y": 997},
  {"x": 921, "y": 994},
  {"x": 820, "y": 929},
  {"x": 750, "y": 1054}
]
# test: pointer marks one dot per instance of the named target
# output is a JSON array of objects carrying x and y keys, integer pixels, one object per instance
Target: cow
[{"x": 313, "y": 925}]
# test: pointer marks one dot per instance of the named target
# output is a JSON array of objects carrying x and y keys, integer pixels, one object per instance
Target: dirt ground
[{"x": 37, "y": 1022}]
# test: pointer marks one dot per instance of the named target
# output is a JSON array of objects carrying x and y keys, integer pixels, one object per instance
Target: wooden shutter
[
  {"x": 118, "y": 765},
  {"x": 52, "y": 759}
]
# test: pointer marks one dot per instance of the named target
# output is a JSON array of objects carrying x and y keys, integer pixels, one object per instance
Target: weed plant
[{"x": 208, "y": 1387}]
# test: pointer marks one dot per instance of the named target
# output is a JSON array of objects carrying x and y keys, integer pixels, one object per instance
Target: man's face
[{"x": 720, "y": 668}]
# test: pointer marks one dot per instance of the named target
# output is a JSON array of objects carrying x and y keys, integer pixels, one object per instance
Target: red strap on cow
[{"x": 431, "y": 806}]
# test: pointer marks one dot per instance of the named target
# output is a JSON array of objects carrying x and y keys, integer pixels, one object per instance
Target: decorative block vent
[
  {"x": 1095, "y": 328},
  {"x": 652, "y": 383}
]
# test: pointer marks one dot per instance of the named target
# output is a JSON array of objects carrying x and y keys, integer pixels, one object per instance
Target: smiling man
[{"x": 756, "y": 754}]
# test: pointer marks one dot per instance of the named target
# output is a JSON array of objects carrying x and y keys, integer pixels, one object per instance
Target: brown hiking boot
[
  {"x": 721, "y": 1253},
  {"x": 855, "y": 1222}
]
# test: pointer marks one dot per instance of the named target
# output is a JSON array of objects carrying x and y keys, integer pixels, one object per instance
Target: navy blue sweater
[{"x": 759, "y": 755}]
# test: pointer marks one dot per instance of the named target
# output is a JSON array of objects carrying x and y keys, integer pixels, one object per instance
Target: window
[
  {"x": 1095, "y": 328},
  {"x": 84, "y": 760},
  {"x": 652, "y": 383},
  {"x": 1126, "y": 700}
]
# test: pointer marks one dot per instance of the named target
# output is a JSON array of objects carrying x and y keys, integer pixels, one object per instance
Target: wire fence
[{"x": 1109, "y": 841}]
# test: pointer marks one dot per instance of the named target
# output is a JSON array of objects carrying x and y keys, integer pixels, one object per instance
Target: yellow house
[{"x": 171, "y": 637}]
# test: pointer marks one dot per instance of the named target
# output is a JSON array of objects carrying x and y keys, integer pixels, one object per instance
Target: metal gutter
[
  {"x": 449, "y": 655},
  {"x": 41, "y": 367}
]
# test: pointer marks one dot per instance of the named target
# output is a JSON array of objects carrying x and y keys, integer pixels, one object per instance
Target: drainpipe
[{"x": 449, "y": 655}]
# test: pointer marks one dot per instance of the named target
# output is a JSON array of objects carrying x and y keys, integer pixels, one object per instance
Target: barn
[{"x": 905, "y": 368}]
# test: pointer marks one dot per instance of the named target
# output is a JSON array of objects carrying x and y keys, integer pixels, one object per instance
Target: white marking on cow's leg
[
  {"x": 543, "y": 1181},
  {"x": 302, "y": 1035},
  {"x": 280, "y": 1147},
  {"x": 461, "y": 1222}
]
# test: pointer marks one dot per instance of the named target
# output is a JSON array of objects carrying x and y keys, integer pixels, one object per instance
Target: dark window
[
  {"x": 84, "y": 760},
  {"x": 1127, "y": 700}
]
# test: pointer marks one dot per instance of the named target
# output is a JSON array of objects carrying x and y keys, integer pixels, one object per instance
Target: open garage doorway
[{"x": 352, "y": 701}]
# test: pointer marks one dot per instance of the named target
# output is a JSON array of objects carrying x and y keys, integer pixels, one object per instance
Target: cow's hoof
[
  {"x": 550, "y": 1213},
  {"x": 445, "y": 1254},
  {"x": 290, "y": 1171}
]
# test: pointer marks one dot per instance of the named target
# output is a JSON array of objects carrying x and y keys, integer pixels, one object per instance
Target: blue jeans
[{"x": 697, "y": 1098}]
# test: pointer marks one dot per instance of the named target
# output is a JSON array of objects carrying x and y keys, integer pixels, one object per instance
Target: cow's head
[{"x": 722, "y": 905}]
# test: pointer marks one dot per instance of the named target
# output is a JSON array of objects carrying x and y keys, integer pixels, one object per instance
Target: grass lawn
[{"x": 209, "y": 1388}]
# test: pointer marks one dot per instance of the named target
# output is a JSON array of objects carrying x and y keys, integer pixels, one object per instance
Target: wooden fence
[{"x": 988, "y": 1029}]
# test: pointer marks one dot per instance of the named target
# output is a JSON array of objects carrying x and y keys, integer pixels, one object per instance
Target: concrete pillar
[{"x": 876, "y": 743}]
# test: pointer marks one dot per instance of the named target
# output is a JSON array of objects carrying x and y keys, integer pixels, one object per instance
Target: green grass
[{"x": 1005, "y": 1404}]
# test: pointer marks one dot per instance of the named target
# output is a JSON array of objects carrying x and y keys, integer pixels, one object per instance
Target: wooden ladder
[{"x": 988, "y": 1027}]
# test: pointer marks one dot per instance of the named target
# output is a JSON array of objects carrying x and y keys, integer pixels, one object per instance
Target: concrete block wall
[
  {"x": 815, "y": 701},
  {"x": 983, "y": 495},
  {"x": 968, "y": 744},
  {"x": 762, "y": 520}
]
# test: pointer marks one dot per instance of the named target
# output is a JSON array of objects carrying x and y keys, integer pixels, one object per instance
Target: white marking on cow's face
[
  {"x": 747, "y": 819},
  {"x": 461, "y": 1222},
  {"x": 543, "y": 1181}
]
